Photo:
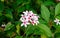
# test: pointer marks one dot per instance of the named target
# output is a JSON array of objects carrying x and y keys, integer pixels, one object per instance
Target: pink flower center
[
  {"x": 24, "y": 16},
  {"x": 29, "y": 18},
  {"x": 32, "y": 22},
  {"x": 32, "y": 14},
  {"x": 24, "y": 22}
]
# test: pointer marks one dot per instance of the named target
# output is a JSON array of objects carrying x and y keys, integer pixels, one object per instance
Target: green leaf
[
  {"x": 27, "y": 6},
  {"x": 48, "y": 3},
  {"x": 9, "y": 14},
  {"x": 0, "y": 14},
  {"x": 37, "y": 30},
  {"x": 8, "y": 26},
  {"x": 2, "y": 0},
  {"x": 1, "y": 7},
  {"x": 57, "y": 35},
  {"x": 45, "y": 13},
  {"x": 18, "y": 29},
  {"x": 57, "y": 9},
  {"x": 9, "y": 33},
  {"x": 30, "y": 30},
  {"x": 20, "y": 9},
  {"x": 58, "y": 17},
  {"x": 19, "y": 2},
  {"x": 57, "y": 28},
  {"x": 43, "y": 36},
  {"x": 45, "y": 30},
  {"x": 18, "y": 37}
]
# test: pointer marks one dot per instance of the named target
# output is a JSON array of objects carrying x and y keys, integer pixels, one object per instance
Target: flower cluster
[
  {"x": 29, "y": 17},
  {"x": 57, "y": 21}
]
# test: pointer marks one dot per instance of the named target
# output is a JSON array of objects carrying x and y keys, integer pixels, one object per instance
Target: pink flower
[
  {"x": 29, "y": 17},
  {"x": 25, "y": 23}
]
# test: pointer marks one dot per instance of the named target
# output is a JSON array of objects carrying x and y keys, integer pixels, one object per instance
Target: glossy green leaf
[
  {"x": 45, "y": 13},
  {"x": 57, "y": 9},
  {"x": 45, "y": 30},
  {"x": 8, "y": 26},
  {"x": 18, "y": 37}
]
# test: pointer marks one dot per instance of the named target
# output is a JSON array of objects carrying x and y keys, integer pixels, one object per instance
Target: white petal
[
  {"x": 25, "y": 25},
  {"x": 22, "y": 24},
  {"x": 57, "y": 23},
  {"x": 3, "y": 25},
  {"x": 54, "y": 20},
  {"x": 28, "y": 23},
  {"x": 36, "y": 23},
  {"x": 22, "y": 15},
  {"x": 57, "y": 19}
]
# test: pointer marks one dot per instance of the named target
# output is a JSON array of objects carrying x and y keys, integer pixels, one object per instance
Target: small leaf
[
  {"x": 18, "y": 37},
  {"x": 8, "y": 26},
  {"x": 57, "y": 9},
  {"x": 2, "y": 0},
  {"x": 9, "y": 14},
  {"x": 1, "y": 7},
  {"x": 20, "y": 9},
  {"x": 19, "y": 2},
  {"x": 45, "y": 13},
  {"x": 18, "y": 29}
]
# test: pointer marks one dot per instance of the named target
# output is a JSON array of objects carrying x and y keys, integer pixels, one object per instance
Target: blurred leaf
[
  {"x": 1, "y": 7},
  {"x": 57, "y": 28},
  {"x": 0, "y": 14},
  {"x": 37, "y": 31},
  {"x": 30, "y": 30},
  {"x": 9, "y": 14},
  {"x": 48, "y": 3},
  {"x": 45, "y": 13},
  {"x": 10, "y": 33},
  {"x": 18, "y": 37},
  {"x": 43, "y": 36},
  {"x": 57, "y": 9},
  {"x": 18, "y": 29},
  {"x": 19, "y": 2},
  {"x": 58, "y": 17},
  {"x": 20, "y": 9},
  {"x": 2, "y": 0},
  {"x": 45, "y": 30},
  {"x": 57, "y": 35},
  {"x": 27, "y": 6},
  {"x": 8, "y": 26}
]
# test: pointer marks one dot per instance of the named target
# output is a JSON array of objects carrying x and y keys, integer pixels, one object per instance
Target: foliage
[{"x": 47, "y": 10}]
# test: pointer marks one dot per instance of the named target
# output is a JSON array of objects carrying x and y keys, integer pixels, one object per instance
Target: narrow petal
[
  {"x": 22, "y": 24},
  {"x": 25, "y": 25}
]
